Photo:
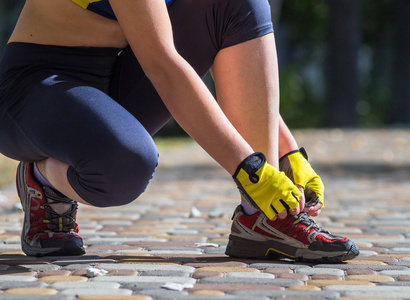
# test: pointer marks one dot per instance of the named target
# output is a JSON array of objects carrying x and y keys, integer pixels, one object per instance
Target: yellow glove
[
  {"x": 264, "y": 187},
  {"x": 296, "y": 166}
]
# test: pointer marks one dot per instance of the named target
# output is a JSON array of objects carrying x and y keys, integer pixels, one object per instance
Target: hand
[
  {"x": 297, "y": 168},
  {"x": 266, "y": 188}
]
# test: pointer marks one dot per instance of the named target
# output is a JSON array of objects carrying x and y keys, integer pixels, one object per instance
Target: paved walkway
[{"x": 170, "y": 243}]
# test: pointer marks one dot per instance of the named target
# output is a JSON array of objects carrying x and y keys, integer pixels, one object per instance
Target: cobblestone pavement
[{"x": 170, "y": 243}]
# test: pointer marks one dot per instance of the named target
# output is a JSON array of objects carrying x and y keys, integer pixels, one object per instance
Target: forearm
[
  {"x": 195, "y": 109},
  {"x": 287, "y": 142}
]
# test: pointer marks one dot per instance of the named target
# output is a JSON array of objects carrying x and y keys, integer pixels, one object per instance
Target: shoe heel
[{"x": 21, "y": 180}]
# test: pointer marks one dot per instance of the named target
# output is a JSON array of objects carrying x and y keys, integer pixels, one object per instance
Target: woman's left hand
[{"x": 296, "y": 166}]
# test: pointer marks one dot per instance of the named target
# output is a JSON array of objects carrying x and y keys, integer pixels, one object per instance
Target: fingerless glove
[
  {"x": 265, "y": 187},
  {"x": 296, "y": 166}
]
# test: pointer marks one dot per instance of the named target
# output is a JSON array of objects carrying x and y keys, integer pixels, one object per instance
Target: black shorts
[{"x": 95, "y": 109}]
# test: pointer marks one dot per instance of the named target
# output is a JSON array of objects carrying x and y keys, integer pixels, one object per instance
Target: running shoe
[
  {"x": 296, "y": 237},
  {"x": 49, "y": 226}
]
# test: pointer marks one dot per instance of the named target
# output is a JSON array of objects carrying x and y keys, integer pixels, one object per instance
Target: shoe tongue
[
  {"x": 59, "y": 207},
  {"x": 57, "y": 201}
]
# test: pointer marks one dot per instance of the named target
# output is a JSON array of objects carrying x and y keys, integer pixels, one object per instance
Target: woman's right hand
[{"x": 266, "y": 188}]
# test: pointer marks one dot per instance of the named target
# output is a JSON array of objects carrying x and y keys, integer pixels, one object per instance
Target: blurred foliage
[
  {"x": 306, "y": 22},
  {"x": 300, "y": 106},
  {"x": 300, "y": 39},
  {"x": 9, "y": 11}
]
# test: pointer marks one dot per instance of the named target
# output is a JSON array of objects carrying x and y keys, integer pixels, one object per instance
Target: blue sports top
[{"x": 101, "y": 7}]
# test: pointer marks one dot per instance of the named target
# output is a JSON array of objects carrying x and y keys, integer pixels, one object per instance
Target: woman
[{"x": 85, "y": 84}]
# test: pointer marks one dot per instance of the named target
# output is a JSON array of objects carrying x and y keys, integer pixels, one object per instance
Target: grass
[{"x": 7, "y": 171}]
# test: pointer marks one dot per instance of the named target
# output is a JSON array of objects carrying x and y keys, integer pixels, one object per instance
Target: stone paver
[
  {"x": 30, "y": 291},
  {"x": 170, "y": 243},
  {"x": 321, "y": 271},
  {"x": 113, "y": 297},
  {"x": 87, "y": 291}
]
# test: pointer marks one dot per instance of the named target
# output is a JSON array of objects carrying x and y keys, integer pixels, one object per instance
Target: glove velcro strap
[
  {"x": 251, "y": 165},
  {"x": 301, "y": 150}
]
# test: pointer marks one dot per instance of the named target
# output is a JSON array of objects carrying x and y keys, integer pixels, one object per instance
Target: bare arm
[
  {"x": 287, "y": 142},
  {"x": 147, "y": 28}
]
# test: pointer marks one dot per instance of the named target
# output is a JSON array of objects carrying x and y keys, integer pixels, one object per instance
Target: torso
[{"x": 65, "y": 23}]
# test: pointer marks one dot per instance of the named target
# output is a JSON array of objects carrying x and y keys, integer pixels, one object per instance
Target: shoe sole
[
  {"x": 271, "y": 250},
  {"x": 70, "y": 246}
]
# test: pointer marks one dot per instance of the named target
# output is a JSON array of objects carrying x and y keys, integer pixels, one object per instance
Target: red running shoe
[
  {"x": 49, "y": 226},
  {"x": 296, "y": 237}
]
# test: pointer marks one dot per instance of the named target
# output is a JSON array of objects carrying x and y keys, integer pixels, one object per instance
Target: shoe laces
[
  {"x": 60, "y": 212},
  {"x": 304, "y": 219}
]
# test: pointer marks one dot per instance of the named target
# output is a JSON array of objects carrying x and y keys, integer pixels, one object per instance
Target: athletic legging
[{"x": 95, "y": 109}]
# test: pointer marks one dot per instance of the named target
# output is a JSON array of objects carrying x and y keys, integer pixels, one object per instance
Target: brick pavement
[{"x": 170, "y": 243}]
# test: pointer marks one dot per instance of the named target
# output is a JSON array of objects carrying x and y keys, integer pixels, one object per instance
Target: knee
[
  {"x": 115, "y": 180},
  {"x": 129, "y": 179}
]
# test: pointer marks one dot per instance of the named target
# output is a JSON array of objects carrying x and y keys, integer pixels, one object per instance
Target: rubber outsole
[{"x": 241, "y": 248}]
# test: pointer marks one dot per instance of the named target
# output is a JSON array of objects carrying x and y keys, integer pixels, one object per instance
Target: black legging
[{"x": 96, "y": 110}]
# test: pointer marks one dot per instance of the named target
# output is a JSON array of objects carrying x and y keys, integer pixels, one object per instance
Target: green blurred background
[{"x": 343, "y": 63}]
